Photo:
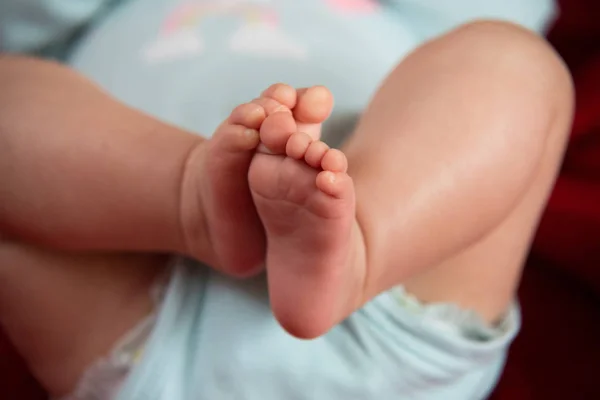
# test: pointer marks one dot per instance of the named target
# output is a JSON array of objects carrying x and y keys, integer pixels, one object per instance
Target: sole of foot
[{"x": 306, "y": 202}]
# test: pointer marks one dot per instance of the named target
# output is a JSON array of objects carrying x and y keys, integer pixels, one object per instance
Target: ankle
[
  {"x": 195, "y": 236},
  {"x": 358, "y": 264}
]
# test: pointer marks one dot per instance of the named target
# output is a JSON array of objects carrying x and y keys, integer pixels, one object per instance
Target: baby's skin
[{"x": 269, "y": 180}]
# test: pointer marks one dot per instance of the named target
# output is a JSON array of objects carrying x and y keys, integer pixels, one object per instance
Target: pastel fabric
[{"x": 215, "y": 338}]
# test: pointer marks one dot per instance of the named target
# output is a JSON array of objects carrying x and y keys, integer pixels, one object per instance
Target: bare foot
[
  {"x": 306, "y": 202},
  {"x": 216, "y": 176}
]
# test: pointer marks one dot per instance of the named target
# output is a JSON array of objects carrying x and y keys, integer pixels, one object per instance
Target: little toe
[
  {"x": 282, "y": 93},
  {"x": 297, "y": 145},
  {"x": 315, "y": 153},
  {"x": 276, "y": 130},
  {"x": 334, "y": 161},
  {"x": 335, "y": 184}
]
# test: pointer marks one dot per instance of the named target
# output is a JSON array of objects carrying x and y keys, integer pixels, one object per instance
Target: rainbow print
[{"x": 191, "y": 14}]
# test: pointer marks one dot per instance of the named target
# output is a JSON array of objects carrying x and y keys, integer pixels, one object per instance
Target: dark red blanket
[{"x": 557, "y": 355}]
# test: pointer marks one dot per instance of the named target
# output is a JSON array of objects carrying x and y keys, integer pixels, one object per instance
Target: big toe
[
  {"x": 239, "y": 133},
  {"x": 276, "y": 131},
  {"x": 281, "y": 93},
  {"x": 313, "y": 107}
]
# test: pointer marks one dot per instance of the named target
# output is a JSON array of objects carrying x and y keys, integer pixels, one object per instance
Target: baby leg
[
  {"x": 81, "y": 171},
  {"x": 63, "y": 312},
  {"x": 452, "y": 164}
]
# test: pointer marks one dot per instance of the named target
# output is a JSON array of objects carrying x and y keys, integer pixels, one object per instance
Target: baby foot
[
  {"x": 306, "y": 202},
  {"x": 217, "y": 177}
]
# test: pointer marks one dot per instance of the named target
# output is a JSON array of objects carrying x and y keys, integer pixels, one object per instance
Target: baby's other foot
[
  {"x": 312, "y": 107},
  {"x": 306, "y": 202},
  {"x": 216, "y": 178}
]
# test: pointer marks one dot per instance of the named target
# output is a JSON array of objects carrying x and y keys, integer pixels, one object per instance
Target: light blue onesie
[{"x": 189, "y": 63}]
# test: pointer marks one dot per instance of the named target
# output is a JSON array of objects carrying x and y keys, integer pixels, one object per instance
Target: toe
[
  {"x": 240, "y": 131},
  {"x": 313, "y": 107},
  {"x": 237, "y": 138},
  {"x": 335, "y": 184},
  {"x": 334, "y": 161},
  {"x": 282, "y": 93},
  {"x": 315, "y": 153},
  {"x": 249, "y": 115},
  {"x": 276, "y": 130},
  {"x": 297, "y": 145},
  {"x": 270, "y": 106}
]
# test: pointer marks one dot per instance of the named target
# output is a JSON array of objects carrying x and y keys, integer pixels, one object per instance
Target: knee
[
  {"x": 522, "y": 60},
  {"x": 526, "y": 85}
]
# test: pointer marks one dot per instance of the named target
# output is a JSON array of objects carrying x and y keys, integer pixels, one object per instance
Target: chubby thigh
[{"x": 64, "y": 311}]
